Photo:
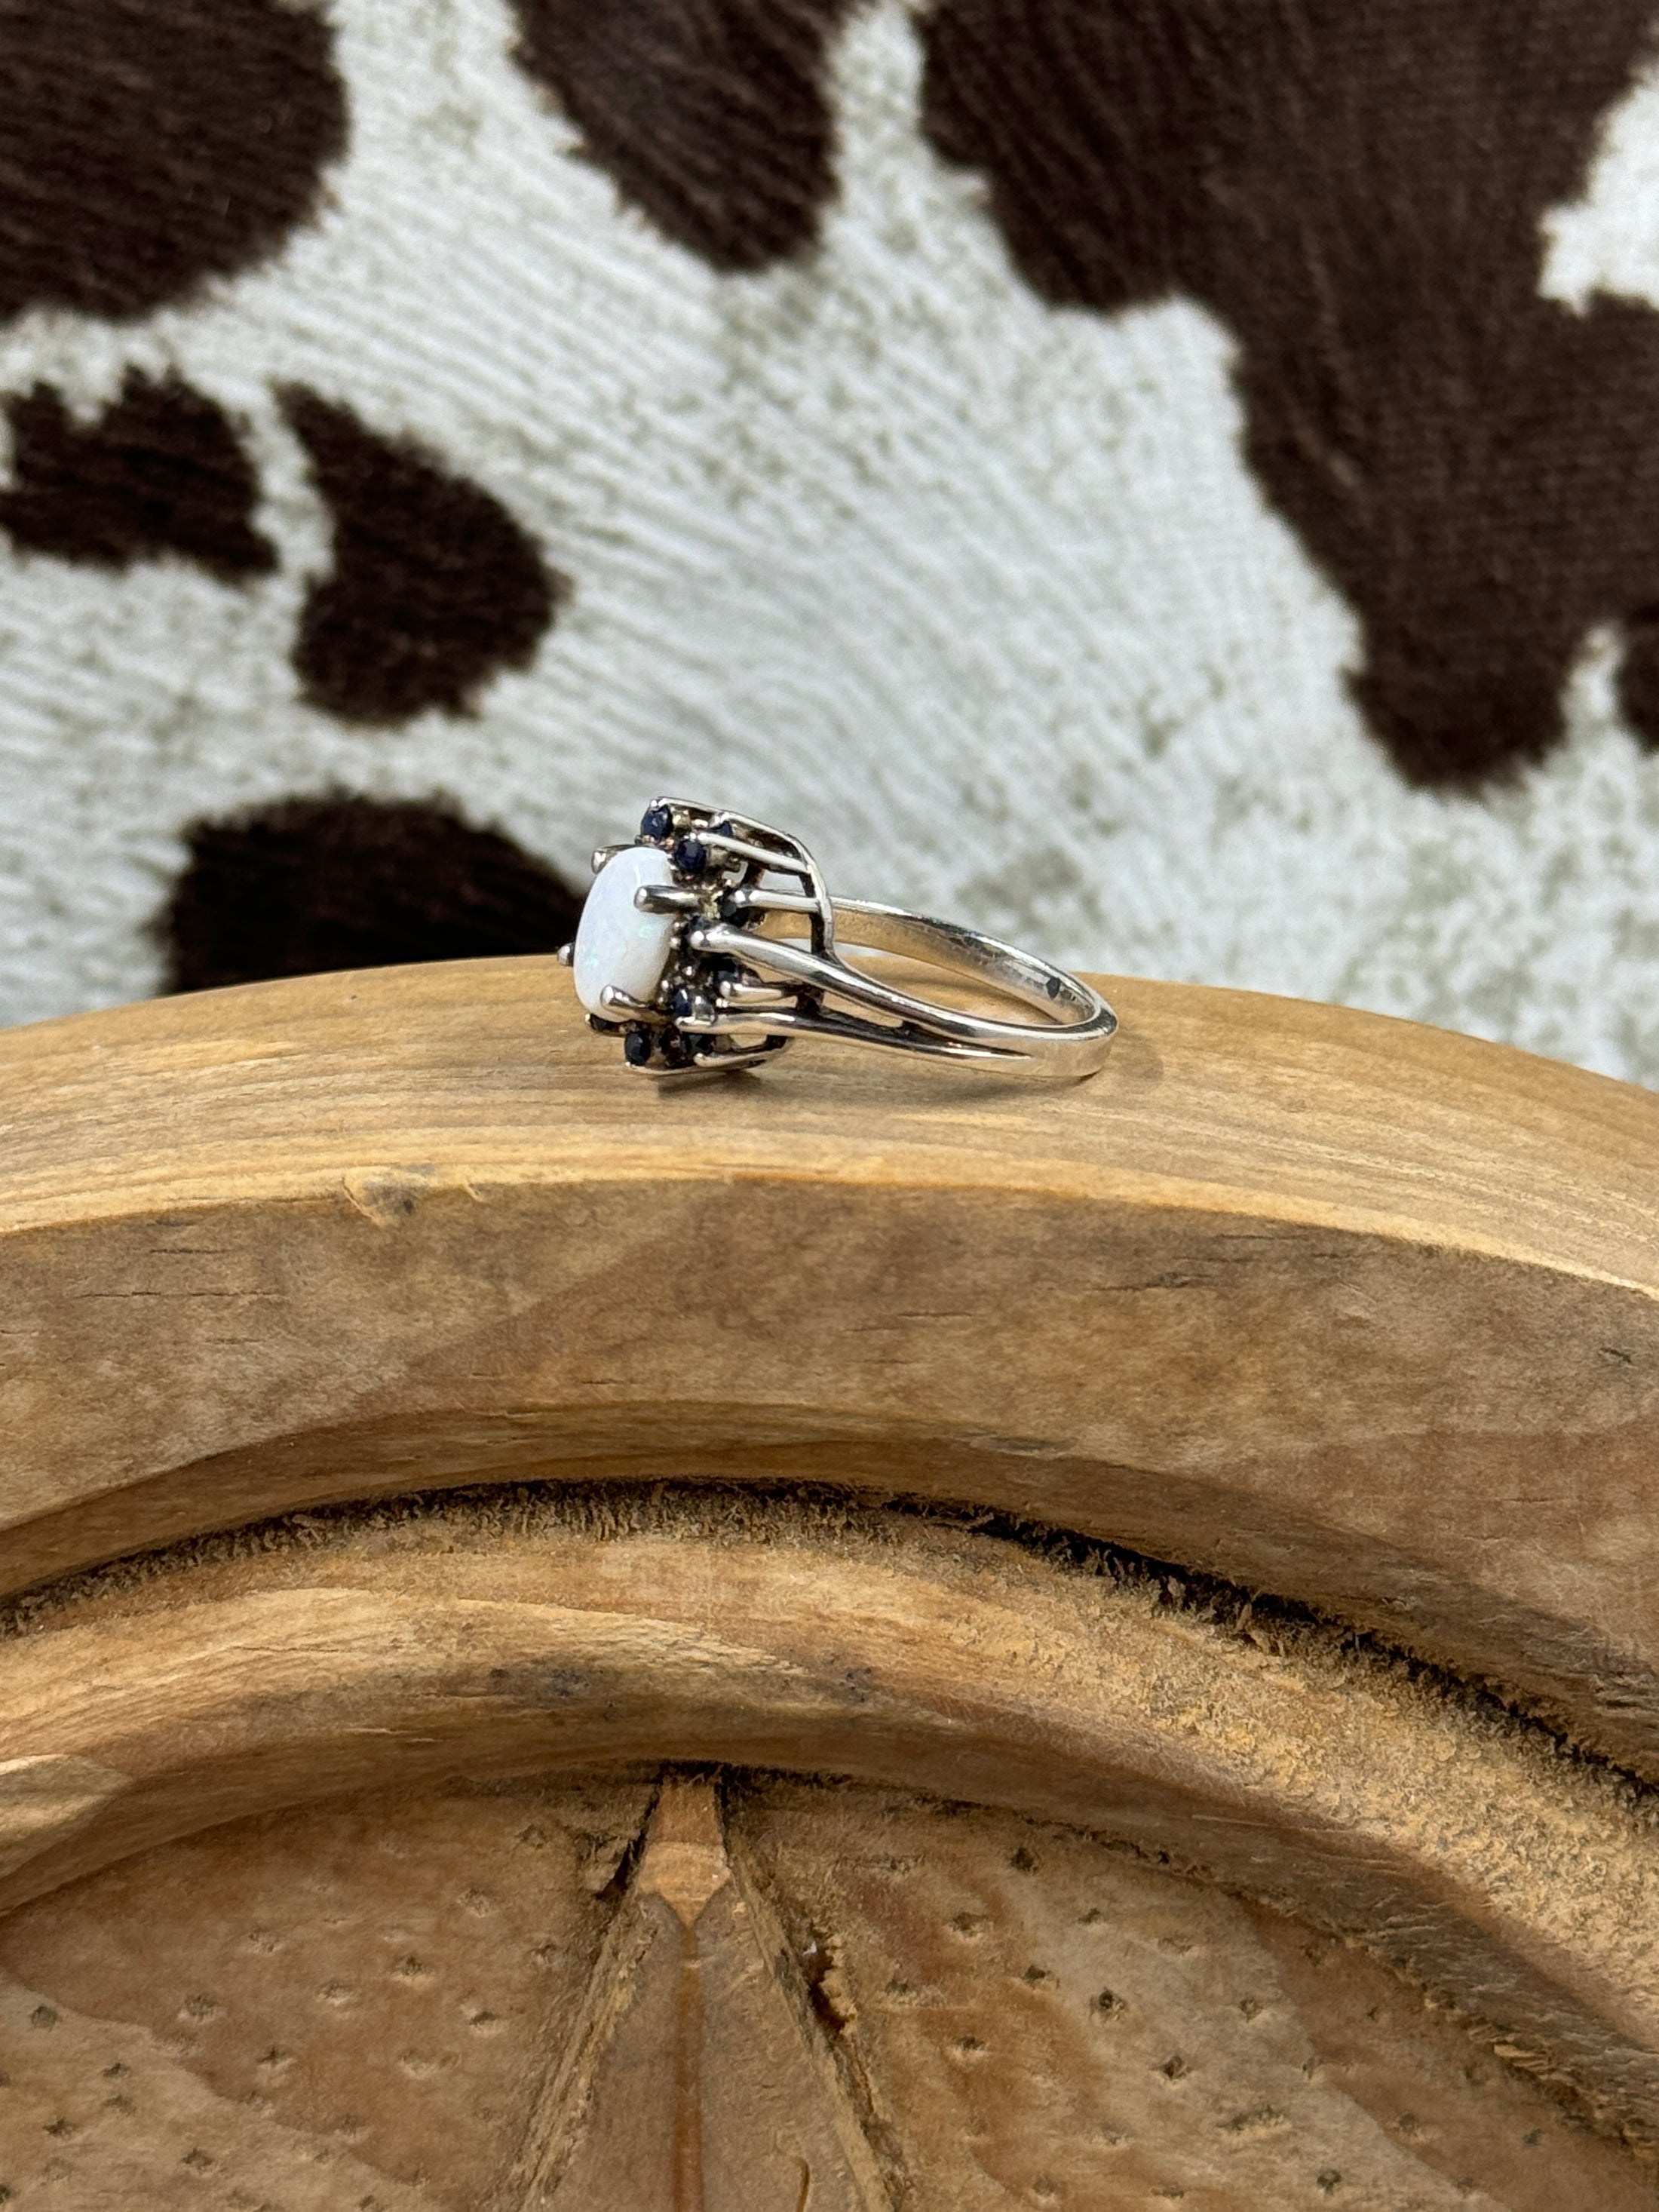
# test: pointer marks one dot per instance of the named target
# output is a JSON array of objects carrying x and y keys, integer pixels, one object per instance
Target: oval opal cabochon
[{"x": 617, "y": 945}]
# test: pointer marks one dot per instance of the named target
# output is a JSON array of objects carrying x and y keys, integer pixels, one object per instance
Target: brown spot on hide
[
  {"x": 150, "y": 144},
  {"x": 1356, "y": 193},
  {"x": 312, "y": 884},
  {"x": 434, "y": 587},
  {"x": 160, "y": 472},
  {"x": 709, "y": 116}
]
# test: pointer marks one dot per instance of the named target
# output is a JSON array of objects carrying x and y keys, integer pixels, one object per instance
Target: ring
[{"x": 683, "y": 950}]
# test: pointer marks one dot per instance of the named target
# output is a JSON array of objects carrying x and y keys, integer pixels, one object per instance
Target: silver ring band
[{"x": 687, "y": 948}]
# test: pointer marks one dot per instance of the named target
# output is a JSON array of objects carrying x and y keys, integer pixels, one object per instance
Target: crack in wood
[{"x": 695, "y": 2076}]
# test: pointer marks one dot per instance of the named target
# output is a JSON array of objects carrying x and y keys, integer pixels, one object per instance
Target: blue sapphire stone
[
  {"x": 690, "y": 856},
  {"x": 657, "y": 823},
  {"x": 679, "y": 1002},
  {"x": 636, "y": 1047}
]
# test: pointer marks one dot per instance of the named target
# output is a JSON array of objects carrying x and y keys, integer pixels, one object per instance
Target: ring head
[{"x": 639, "y": 969}]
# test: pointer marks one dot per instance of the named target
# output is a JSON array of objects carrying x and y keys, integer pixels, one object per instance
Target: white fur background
[{"x": 978, "y": 597}]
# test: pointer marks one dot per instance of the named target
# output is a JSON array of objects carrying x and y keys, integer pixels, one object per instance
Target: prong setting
[
  {"x": 617, "y": 1001},
  {"x": 717, "y": 868},
  {"x": 666, "y": 898}
]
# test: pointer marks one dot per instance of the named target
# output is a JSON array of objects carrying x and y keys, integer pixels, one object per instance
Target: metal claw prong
[
  {"x": 603, "y": 853},
  {"x": 666, "y": 898},
  {"x": 739, "y": 1021},
  {"x": 739, "y": 996},
  {"x": 747, "y": 1055},
  {"x": 748, "y": 900},
  {"x": 567, "y": 954},
  {"x": 717, "y": 1063},
  {"x": 742, "y": 848},
  {"x": 624, "y": 1002}
]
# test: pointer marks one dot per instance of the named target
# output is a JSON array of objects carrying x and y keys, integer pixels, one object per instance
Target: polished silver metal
[{"x": 739, "y": 984}]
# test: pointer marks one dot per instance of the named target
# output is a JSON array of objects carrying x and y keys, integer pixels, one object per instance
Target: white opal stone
[{"x": 615, "y": 943}]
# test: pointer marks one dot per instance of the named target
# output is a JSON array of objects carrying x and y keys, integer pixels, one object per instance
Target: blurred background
[{"x": 1174, "y": 481}]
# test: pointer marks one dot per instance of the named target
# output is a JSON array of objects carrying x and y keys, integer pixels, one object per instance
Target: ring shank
[
  {"x": 1071, "y": 1041},
  {"x": 964, "y": 951}
]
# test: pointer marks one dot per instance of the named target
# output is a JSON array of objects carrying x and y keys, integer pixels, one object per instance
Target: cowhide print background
[{"x": 1173, "y": 481}]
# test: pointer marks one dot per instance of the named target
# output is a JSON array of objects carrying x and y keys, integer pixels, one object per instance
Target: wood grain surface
[
  {"x": 367, "y": 2004},
  {"x": 1356, "y": 1312},
  {"x": 581, "y": 1638}
]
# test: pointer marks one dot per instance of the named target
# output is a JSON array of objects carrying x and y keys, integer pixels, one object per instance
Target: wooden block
[{"x": 1356, "y": 1312}]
